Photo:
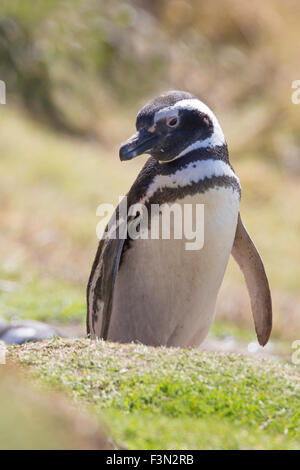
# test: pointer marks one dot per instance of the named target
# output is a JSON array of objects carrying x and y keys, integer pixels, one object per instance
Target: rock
[
  {"x": 22, "y": 331},
  {"x": 3, "y": 325}
]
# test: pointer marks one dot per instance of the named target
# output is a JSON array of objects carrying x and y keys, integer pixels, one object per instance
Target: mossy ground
[{"x": 171, "y": 398}]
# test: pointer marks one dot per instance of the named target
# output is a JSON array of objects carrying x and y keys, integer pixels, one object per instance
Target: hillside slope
[{"x": 167, "y": 398}]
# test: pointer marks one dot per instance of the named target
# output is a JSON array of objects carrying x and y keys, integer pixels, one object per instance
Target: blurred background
[{"x": 76, "y": 73}]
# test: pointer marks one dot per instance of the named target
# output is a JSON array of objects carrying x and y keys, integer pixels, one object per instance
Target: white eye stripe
[
  {"x": 188, "y": 104},
  {"x": 195, "y": 104},
  {"x": 166, "y": 113},
  {"x": 216, "y": 139}
]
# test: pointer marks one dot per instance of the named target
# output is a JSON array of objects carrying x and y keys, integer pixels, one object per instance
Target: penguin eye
[{"x": 172, "y": 121}]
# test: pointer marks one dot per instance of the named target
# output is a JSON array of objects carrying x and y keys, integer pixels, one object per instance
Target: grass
[
  {"x": 34, "y": 419},
  {"x": 42, "y": 300},
  {"x": 160, "y": 398}
]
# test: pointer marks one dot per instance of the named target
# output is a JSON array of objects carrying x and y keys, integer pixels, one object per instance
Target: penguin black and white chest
[{"x": 154, "y": 290}]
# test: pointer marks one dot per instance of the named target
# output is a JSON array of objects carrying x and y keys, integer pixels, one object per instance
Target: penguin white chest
[{"x": 166, "y": 293}]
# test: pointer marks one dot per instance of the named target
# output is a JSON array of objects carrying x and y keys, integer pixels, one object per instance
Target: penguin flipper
[
  {"x": 101, "y": 286},
  {"x": 250, "y": 262}
]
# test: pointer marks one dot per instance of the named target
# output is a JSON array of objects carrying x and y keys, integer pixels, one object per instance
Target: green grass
[
  {"x": 221, "y": 329},
  {"x": 224, "y": 330},
  {"x": 43, "y": 299},
  {"x": 174, "y": 398},
  {"x": 33, "y": 419},
  {"x": 146, "y": 431}
]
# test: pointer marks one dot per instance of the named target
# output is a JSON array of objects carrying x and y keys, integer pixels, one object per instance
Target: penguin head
[{"x": 170, "y": 126}]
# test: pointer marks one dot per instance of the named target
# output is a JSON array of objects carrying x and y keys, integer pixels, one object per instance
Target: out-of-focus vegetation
[
  {"x": 76, "y": 62},
  {"x": 33, "y": 419}
]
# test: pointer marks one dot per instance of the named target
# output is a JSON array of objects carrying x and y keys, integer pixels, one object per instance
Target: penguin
[{"x": 155, "y": 291}]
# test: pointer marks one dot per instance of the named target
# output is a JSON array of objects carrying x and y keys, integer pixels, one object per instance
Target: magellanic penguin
[{"x": 155, "y": 291}]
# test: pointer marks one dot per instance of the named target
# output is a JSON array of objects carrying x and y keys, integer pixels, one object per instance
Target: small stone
[{"x": 20, "y": 332}]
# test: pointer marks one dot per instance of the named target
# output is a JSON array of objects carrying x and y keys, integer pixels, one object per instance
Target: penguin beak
[{"x": 139, "y": 143}]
